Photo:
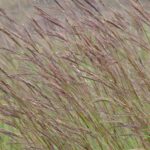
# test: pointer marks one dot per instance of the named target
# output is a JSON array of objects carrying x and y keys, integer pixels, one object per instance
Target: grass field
[{"x": 76, "y": 79}]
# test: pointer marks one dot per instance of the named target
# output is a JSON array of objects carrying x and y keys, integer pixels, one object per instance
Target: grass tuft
[{"x": 79, "y": 82}]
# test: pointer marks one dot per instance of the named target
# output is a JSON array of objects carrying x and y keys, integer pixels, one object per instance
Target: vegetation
[{"x": 80, "y": 82}]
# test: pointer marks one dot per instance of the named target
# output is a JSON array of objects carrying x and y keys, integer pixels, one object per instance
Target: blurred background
[{"x": 21, "y": 9}]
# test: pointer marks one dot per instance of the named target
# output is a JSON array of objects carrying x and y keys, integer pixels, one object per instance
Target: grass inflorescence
[{"x": 76, "y": 82}]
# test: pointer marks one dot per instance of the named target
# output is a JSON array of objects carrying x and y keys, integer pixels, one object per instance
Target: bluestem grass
[{"x": 80, "y": 82}]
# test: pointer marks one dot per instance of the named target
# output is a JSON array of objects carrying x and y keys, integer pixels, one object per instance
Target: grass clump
[{"x": 81, "y": 82}]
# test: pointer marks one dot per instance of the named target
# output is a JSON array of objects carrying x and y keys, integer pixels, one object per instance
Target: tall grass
[{"x": 80, "y": 82}]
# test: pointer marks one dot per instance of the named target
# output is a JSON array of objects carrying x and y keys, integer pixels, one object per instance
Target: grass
[{"x": 80, "y": 82}]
